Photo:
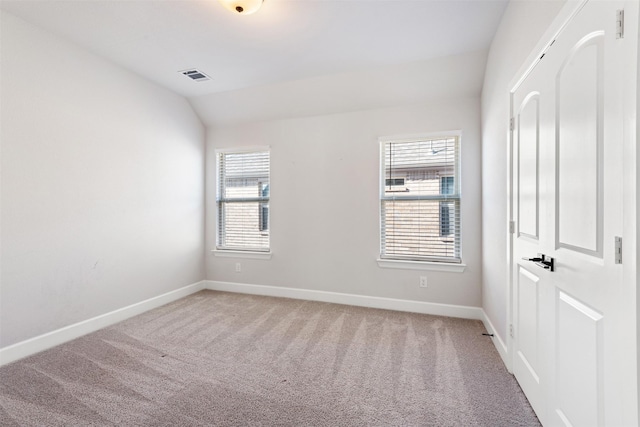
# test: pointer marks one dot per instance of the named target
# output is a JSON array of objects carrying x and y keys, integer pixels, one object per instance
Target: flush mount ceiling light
[{"x": 242, "y": 7}]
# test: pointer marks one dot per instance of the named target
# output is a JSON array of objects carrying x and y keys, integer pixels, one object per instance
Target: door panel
[
  {"x": 528, "y": 329},
  {"x": 528, "y": 137},
  {"x": 579, "y": 363},
  {"x": 579, "y": 147},
  {"x": 528, "y": 279}
]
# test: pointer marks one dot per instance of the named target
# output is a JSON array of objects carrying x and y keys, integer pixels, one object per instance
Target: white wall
[
  {"x": 523, "y": 24},
  {"x": 102, "y": 186},
  {"x": 324, "y": 202}
]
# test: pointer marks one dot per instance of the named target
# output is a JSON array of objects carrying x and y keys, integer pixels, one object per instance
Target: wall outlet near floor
[
  {"x": 423, "y": 281},
  {"x": 238, "y": 267}
]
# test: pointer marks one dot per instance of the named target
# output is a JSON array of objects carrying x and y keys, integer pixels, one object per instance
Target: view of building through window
[
  {"x": 243, "y": 200},
  {"x": 420, "y": 199}
]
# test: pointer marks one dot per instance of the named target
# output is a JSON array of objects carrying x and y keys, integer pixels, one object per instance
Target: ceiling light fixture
[{"x": 242, "y": 7}]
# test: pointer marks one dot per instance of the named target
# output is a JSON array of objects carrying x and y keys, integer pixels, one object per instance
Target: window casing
[
  {"x": 243, "y": 200},
  {"x": 420, "y": 221}
]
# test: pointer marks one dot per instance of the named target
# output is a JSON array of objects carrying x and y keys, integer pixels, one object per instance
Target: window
[
  {"x": 243, "y": 200},
  {"x": 394, "y": 181},
  {"x": 264, "y": 209},
  {"x": 421, "y": 222},
  {"x": 446, "y": 188}
]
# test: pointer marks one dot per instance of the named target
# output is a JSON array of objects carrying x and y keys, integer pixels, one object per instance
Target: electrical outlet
[
  {"x": 238, "y": 267},
  {"x": 423, "y": 281}
]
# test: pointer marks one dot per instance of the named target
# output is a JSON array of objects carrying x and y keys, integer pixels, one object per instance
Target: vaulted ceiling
[{"x": 285, "y": 41}]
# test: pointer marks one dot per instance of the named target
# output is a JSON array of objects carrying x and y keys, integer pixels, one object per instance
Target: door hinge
[
  {"x": 511, "y": 125},
  {"x": 618, "y": 250},
  {"x": 511, "y": 331},
  {"x": 512, "y": 227},
  {"x": 620, "y": 24}
]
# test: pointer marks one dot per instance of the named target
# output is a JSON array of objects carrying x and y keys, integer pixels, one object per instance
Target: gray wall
[
  {"x": 102, "y": 186},
  {"x": 325, "y": 202}
]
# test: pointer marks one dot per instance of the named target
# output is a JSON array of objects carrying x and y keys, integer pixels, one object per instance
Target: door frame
[{"x": 631, "y": 178}]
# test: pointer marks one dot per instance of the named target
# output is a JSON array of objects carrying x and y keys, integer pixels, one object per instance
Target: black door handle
[{"x": 543, "y": 261}]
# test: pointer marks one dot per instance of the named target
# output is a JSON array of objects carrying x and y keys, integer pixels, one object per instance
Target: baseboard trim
[
  {"x": 51, "y": 339},
  {"x": 497, "y": 341},
  {"x": 448, "y": 310}
]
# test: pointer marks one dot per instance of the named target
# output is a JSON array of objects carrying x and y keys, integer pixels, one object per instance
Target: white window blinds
[
  {"x": 243, "y": 200},
  {"x": 420, "y": 199}
]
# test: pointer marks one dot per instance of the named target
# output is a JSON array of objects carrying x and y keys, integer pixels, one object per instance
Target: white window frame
[
  {"x": 435, "y": 264},
  {"x": 233, "y": 252}
]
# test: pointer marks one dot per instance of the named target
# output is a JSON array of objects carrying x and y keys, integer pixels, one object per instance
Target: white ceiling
[
  {"x": 436, "y": 80},
  {"x": 286, "y": 40}
]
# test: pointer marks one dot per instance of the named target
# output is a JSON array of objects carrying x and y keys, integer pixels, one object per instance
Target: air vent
[{"x": 195, "y": 75}]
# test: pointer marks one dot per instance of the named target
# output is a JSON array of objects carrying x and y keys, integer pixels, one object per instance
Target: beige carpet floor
[{"x": 224, "y": 359}]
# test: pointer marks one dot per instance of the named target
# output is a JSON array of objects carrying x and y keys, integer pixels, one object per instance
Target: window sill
[
  {"x": 421, "y": 265},
  {"x": 241, "y": 254}
]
